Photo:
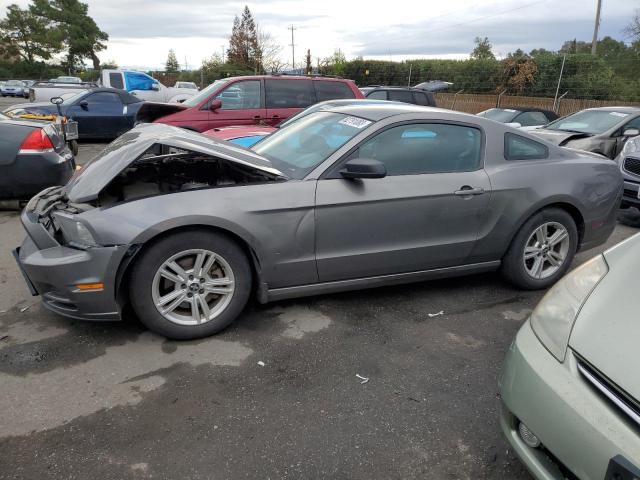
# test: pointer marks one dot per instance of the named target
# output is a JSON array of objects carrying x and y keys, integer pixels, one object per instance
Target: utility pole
[
  {"x": 222, "y": 47},
  {"x": 293, "y": 49},
  {"x": 555, "y": 99},
  {"x": 594, "y": 42}
]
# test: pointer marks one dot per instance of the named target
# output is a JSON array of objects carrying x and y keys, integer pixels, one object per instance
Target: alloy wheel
[
  {"x": 193, "y": 287},
  {"x": 546, "y": 250}
]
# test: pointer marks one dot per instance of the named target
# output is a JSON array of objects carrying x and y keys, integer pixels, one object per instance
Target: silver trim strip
[{"x": 604, "y": 389}]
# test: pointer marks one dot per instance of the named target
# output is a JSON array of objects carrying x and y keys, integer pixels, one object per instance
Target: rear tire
[
  {"x": 542, "y": 250},
  {"x": 200, "y": 280}
]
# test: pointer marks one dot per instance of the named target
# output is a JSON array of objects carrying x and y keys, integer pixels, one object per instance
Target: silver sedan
[{"x": 184, "y": 228}]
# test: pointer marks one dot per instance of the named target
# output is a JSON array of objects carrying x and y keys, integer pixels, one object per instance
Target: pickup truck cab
[
  {"x": 144, "y": 86},
  {"x": 250, "y": 100}
]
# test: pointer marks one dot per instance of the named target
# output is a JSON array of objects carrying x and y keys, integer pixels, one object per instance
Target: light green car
[{"x": 571, "y": 382}]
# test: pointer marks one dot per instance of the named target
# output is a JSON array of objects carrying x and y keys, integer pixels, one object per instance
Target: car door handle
[
  {"x": 467, "y": 190},
  {"x": 275, "y": 117}
]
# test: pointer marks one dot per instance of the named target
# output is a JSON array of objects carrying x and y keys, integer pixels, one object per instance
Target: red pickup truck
[{"x": 251, "y": 100}]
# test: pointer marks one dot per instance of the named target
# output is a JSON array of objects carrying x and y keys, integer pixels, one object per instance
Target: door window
[
  {"x": 378, "y": 95},
  {"x": 635, "y": 123},
  {"x": 139, "y": 81},
  {"x": 115, "y": 80},
  {"x": 425, "y": 148},
  {"x": 331, "y": 90},
  {"x": 421, "y": 98},
  {"x": 529, "y": 119},
  {"x": 289, "y": 93},
  {"x": 104, "y": 97},
  {"x": 404, "y": 96},
  {"x": 241, "y": 95}
]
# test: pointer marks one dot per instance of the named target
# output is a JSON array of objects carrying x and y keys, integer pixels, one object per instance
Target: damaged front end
[{"x": 69, "y": 260}]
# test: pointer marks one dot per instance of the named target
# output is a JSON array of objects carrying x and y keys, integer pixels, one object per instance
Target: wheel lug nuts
[
  {"x": 202, "y": 280},
  {"x": 202, "y": 291},
  {"x": 190, "y": 277},
  {"x": 189, "y": 294},
  {"x": 183, "y": 286}
]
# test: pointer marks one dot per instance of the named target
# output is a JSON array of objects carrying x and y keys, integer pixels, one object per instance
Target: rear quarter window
[
  {"x": 332, "y": 90},
  {"x": 521, "y": 148}
]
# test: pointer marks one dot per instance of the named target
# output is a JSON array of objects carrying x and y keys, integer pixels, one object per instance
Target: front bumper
[
  {"x": 54, "y": 270},
  {"x": 631, "y": 194},
  {"x": 580, "y": 429}
]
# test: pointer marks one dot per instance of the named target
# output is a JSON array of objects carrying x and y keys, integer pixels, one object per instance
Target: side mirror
[
  {"x": 631, "y": 132},
  {"x": 84, "y": 105},
  {"x": 363, "y": 168},
  {"x": 155, "y": 87},
  {"x": 57, "y": 100},
  {"x": 514, "y": 124},
  {"x": 215, "y": 105}
]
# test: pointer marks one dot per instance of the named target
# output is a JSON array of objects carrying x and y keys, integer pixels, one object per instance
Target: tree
[
  {"x": 270, "y": 52},
  {"x": 482, "y": 51},
  {"x": 172, "y": 65},
  {"x": 26, "y": 35},
  {"x": 79, "y": 33},
  {"x": 519, "y": 73},
  {"x": 244, "y": 46},
  {"x": 633, "y": 29}
]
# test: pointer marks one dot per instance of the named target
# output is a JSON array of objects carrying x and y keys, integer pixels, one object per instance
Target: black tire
[
  {"x": 150, "y": 260},
  {"x": 513, "y": 267}
]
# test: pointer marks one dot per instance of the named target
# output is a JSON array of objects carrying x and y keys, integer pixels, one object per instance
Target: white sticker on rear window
[
  {"x": 355, "y": 122},
  {"x": 619, "y": 114},
  {"x": 509, "y": 110}
]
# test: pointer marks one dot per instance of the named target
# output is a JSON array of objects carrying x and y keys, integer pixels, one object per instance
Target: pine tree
[
  {"x": 172, "y": 65},
  {"x": 244, "y": 47}
]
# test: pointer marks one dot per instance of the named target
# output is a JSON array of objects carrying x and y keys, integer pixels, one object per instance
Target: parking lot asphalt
[{"x": 274, "y": 396}]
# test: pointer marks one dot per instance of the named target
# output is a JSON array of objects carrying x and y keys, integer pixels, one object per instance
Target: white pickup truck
[{"x": 137, "y": 83}]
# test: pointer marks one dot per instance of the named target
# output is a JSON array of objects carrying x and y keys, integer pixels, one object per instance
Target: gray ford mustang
[{"x": 183, "y": 228}]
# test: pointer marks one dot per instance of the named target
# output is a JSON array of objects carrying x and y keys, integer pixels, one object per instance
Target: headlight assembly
[
  {"x": 76, "y": 233},
  {"x": 553, "y": 318}
]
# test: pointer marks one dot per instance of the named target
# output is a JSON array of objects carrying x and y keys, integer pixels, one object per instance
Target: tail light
[{"x": 36, "y": 142}]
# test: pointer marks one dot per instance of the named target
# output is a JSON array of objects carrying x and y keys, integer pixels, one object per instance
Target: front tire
[
  {"x": 190, "y": 285},
  {"x": 542, "y": 250}
]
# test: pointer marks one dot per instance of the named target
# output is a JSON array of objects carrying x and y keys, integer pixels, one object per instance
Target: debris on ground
[
  {"x": 24, "y": 309},
  {"x": 441, "y": 312},
  {"x": 3, "y": 337},
  {"x": 261, "y": 363},
  {"x": 364, "y": 379}
]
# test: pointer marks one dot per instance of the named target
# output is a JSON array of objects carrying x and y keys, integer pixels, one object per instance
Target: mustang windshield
[
  {"x": 305, "y": 144},
  {"x": 593, "y": 122}
]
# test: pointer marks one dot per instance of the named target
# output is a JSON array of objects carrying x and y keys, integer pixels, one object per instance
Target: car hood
[
  {"x": 607, "y": 330},
  {"x": 229, "y": 133},
  {"x": 32, "y": 107},
  {"x": 558, "y": 137},
  {"x": 87, "y": 183},
  {"x": 150, "y": 111}
]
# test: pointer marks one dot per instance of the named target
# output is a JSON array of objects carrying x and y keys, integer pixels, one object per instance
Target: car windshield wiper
[{"x": 569, "y": 130}]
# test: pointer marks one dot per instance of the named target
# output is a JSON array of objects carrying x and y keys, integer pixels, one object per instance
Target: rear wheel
[
  {"x": 542, "y": 250},
  {"x": 190, "y": 285}
]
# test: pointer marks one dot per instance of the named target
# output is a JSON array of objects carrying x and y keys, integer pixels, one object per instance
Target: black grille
[
  {"x": 623, "y": 401},
  {"x": 632, "y": 165}
]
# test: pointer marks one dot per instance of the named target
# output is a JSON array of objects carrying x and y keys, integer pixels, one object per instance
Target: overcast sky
[{"x": 141, "y": 32}]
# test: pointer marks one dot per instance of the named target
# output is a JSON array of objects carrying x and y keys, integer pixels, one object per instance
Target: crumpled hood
[
  {"x": 558, "y": 137},
  {"x": 607, "y": 331},
  {"x": 87, "y": 183},
  {"x": 150, "y": 111}
]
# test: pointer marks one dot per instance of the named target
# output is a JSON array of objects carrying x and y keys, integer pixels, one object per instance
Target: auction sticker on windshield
[
  {"x": 355, "y": 122},
  {"x": 619, "y": 114}
]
